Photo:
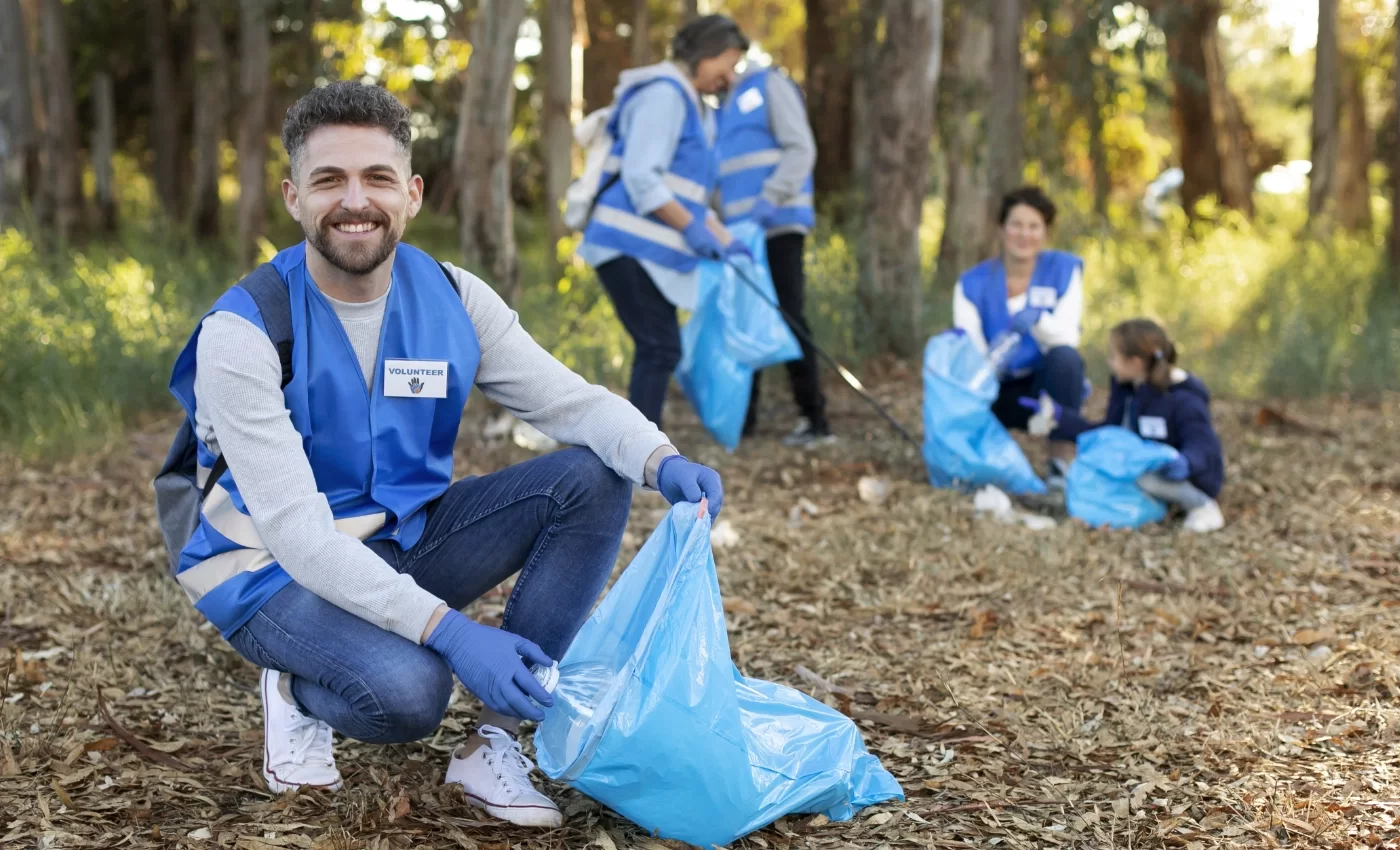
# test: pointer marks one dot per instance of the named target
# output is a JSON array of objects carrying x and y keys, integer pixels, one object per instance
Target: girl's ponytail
[{"x": 1145, "y": 339}]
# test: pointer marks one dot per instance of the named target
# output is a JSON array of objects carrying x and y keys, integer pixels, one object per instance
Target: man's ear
[
  {"x": 290, "y": 199},
  {"x": 415, "y": 195}
]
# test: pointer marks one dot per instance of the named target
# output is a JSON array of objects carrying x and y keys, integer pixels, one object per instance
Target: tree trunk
[
  {"x": 1353, "y": 191},
  {"x": 1208, "y": 121},
  {"x": 19, "y": 149},
  {"x": 164, "y": 130},
  {"x": 557, "y": 32},
  {"x": 482, "y": 155},
  {"x": 1005, "y": 129},
  {"x": 1393, "y": 241},
  {"x": 830, "y": 83},
  {"x": 641, "y": 34},
  {"x": 692, "y": 10},
  {"x": 104, "y": 145},
  {"x": 211, "y": 77},
  {"x": 39, "y": 178},
  {"x": 253, "y": 50},
  {"x": 1326, "y": 113},
  {"x": 963, "y": 99},
  {"x": 606, "y": 53},
  {"x": 1098, "y": 151},
  {"x": 902, "y": 127},
  {"x": 61, "y": 145}
]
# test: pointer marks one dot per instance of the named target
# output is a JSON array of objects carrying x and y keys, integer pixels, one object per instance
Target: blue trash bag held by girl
[
  {"x": 733, "y": 333},
  {"x": 964, "y": 444},
  {"x": 652, "y": 719},
  {"x": 1101, "y": 487}
]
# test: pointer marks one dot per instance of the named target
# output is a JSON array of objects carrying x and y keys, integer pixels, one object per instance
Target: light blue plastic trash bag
[
  {"x": 733, "y": 333},
  {"x": 1101, "y": 487},
  {"x": 964, "y": 444},
  {"x": 652, "y": 720}
]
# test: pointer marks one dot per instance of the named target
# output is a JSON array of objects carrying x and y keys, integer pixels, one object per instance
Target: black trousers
[
  {"x": 651, "y": 321},
  {"x": 785, "y": 255}
]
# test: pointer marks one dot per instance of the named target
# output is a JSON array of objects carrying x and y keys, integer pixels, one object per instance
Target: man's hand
[
  {"x": 492, "y": 664},
  {"x": 679, "y": 480},
  {"x": 1023, "y": 321}
]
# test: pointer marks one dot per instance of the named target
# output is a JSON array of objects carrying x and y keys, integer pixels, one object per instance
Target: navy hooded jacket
[{"x": 1179, "y": 417}]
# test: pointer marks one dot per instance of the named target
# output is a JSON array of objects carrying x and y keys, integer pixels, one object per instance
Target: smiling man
[{"x": 331, "y": 548}]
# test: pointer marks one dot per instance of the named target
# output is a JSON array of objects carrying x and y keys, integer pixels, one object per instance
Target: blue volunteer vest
[
  {"x": 378, "y": 459},
  {"x": 749, "y": 154},
  {"x": 616, "y": 224},
  {"x": 985, "y": 286}
]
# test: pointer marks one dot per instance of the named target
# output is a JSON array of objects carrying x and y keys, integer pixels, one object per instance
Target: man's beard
[{"x": 357, "y": 257}]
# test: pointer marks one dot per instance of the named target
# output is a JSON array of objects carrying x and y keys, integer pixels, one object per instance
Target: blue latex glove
[
  {"x": 679, "y": 480},
  {"x": 1023, "y": 321},
  {"x": 736, "y": 248},
  {"x": 698, "y": 236},
  {"x": 1046, "y": 413},
  {"x": 1176, "y": 469},
  {"x": 492, "y": 664},
  {"x": 763, "y": 212}
]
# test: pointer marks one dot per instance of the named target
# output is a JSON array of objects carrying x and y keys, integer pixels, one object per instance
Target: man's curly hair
[{"x": 343, "y": 103}]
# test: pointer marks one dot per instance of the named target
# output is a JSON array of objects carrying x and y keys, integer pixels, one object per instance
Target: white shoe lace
[
  {"x": 308, "y": 737},
  {"x": 506, "y": 760}
]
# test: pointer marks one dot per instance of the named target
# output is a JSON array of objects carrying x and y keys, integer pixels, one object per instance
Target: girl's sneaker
[{"x": 1205, "y": 519}]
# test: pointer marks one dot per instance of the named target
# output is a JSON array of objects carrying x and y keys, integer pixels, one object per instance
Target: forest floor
[{"x": 1061, "y": 688}]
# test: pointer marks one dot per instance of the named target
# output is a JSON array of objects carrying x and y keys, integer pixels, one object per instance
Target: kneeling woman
[{"x": 1037, "y": 294}]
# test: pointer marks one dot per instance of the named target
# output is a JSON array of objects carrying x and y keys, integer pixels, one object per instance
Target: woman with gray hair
[{"x": 651, "y": 223}]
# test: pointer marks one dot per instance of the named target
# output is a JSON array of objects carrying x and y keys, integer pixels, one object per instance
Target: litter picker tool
[{"x": 851, "y": 380}]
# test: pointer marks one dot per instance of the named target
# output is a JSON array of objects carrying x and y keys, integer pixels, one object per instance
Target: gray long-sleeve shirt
[{"x": 241, "y": 413}]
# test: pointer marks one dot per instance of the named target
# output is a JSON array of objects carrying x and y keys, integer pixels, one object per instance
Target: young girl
[{"x": 1157, "y": 401}]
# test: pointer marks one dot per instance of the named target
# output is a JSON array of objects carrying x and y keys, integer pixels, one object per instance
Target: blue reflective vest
[
  {"x": 379, "y": 459},
  {"x": 616, "y": 224},
  {"x": 749, "y": 154},
  {"x": 985, "y": 286}
]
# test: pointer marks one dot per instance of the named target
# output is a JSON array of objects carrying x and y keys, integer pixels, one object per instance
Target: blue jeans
[
  {"x": 557, "y": 520},
  {"x": 1060, "y": 374},
  {"x": 656, "y": 333}
]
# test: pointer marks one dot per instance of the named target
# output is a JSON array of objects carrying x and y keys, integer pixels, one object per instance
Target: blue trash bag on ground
[
  {"x": 1101, "y": 487},
  {"x": 652, "y": 719},
  {"x": 733, "y": 333},
  {"x": 964, "y": 444}
]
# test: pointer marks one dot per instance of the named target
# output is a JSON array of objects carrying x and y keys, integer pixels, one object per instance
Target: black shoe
[{"x": 809, "y": 435}]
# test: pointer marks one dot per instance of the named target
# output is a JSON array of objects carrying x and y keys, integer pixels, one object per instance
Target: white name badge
[
  {"x": 415, "y": 378},
  {"x": 750, "y": 100},
  {"x": 1043, "y": 297},
  {"x": 1152, "y": 427}
]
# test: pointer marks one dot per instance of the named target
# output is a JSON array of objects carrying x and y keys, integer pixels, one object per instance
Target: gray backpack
[{"x": 179, "y": 495}]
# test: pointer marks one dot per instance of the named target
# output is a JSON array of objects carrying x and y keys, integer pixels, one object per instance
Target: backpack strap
[
  {"x": 274, "y": 301},
  {"x": 452, "y": 280}
]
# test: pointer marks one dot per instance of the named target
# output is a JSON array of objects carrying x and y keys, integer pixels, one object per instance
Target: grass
[{"x": 87, "y": 337}]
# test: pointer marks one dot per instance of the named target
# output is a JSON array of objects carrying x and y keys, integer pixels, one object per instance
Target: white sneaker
[
  {"x": 296, "y": 748},
  {"x": 1205, "y": 519},
  {"x": 497, "y": 778}
]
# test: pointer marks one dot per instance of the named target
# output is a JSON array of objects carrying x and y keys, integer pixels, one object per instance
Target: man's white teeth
[{"x": 359, "y": 227}]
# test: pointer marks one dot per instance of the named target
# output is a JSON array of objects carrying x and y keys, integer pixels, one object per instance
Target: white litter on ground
[
  {"x": 724, "y": 535},
  {"x": 873, "y": 491},
  {"x": 990, "y": 500}
]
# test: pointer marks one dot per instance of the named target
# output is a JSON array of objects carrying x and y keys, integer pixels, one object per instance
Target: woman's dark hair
[
  {"x": 1145, "y": 339},
  {"x": 706, "y": 38},
  {"x": 1030, "y": 196}
]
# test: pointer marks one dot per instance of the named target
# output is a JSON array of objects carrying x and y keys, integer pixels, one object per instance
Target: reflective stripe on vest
[
  {"x": 750, "y": 153},
  {"x": 615, "y": 222},
  {"x": 378, "y": 459}
]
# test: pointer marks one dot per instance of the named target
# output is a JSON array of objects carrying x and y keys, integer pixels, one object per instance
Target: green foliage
[{"x": 87, "y": 338}]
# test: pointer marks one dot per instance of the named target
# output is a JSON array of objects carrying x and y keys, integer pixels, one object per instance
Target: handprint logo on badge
[{"x": 415, "y": 386}]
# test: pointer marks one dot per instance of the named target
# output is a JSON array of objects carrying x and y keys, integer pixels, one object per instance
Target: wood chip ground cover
[{"x": 1066, "y": 688}]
